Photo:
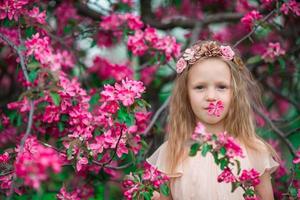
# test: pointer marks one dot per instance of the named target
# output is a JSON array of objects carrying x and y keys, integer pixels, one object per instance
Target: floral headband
[{"x": 208, "y": 49}]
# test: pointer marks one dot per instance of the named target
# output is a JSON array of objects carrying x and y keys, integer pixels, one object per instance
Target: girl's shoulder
[
  {"x": 159, "y": 159},
  {"x": 260, "y": 157}
]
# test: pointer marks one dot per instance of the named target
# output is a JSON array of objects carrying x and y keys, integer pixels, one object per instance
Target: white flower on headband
[
  {"x": 188, "y": 54},
  {"x": 180, "y": 65},
  {"x": 227, "y": 52}
]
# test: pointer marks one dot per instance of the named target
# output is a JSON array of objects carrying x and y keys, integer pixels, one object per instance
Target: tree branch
[{"x": 276, "y": 130}]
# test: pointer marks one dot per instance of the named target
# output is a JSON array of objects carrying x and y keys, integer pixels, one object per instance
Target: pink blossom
[
  {"x": 226, "y": 176},
  {"x": 129, "y": 90},
  {"x": 233, "y": 149},
  {"x": 180, "y": 65},
  {"x": 273, "y": 50},
  {"x": 134, "y": 22},
  {"x": 297, "y": 159},
  {"x": 251, "y": 198},
  {"x": 80, "y": 162},
  {"x": 188, "y": 54},
  {"x": 111, "y": 22},
  {"x": 249, "y": 18},
  {"x": 227, "y": 52},
  {"x": 142, "y": 119},
  {"x": 22, "y": 106},
  {"x": 11, "y": 34},
  {"x": 64, "y": 195},
  {"x": 147, "y": 74},
  {"x": 12, "y": 9},
  {"x": 215, "y": 108},
  {"x": 65, "y": 12},
  {"x": 33, "y": 162},
  {"x": 150, "y": 35},
  {"x": 199, "y": 130},
  {"x": 169, "y": 46},
  {"x": 40, "y": 17},
  {"x": 4, "y": 157},
  {"x": 104, "y": 39},
  {"x": 137, "y": 44},
  {"x": 250, "y": 177},
  {"x": 291, "y": 6}
]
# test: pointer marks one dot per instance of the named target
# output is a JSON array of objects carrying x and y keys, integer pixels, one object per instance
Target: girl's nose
[{"x": 210, "y": 95}]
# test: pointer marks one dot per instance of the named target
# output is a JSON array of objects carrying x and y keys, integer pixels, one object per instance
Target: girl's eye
[
  {"x": 199, "y": 87},
  {"x": 222, "y": 87}
]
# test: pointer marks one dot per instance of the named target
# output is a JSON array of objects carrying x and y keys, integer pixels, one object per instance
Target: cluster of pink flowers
[
  {"x": 11, "y": 34},
  {"x": 249, "y": 177},
  {"x": 12, "y": 9},
  {"x": 104, "y": 69},
  {"x": 40, "y": 48},
  {"x": 126, "y": 92},
  {"x": 64, "y": 13},
  {"x": 149, "y": 41},
  {"x": 39, "y": 17},
  {"x": 226, "y": 176},
  {"x": 226, "y": 146},
  {"x": 150, "y": 178},
  {"x": 33, "y": 163},
  {"x": 148, "y": 74},
  {"x": 80, "y": 192},
  {"x": 272, "y": 51},
  {"x": 114, "y": 22},
  {"x": 249, "y": 19},
  {"x": 64, "y": 195},
  {"x": 4, "y": 157},
  {"x": 290, "y": 6}
]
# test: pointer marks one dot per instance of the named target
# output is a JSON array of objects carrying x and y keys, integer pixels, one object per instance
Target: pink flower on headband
[
  {"x": 188, "y": 54},
  {"x": 227, "y": 52},
  {"x": 180, "y": 65}
]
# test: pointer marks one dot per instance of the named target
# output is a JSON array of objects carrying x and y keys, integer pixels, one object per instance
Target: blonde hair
[{"x": 239, "y": 122}]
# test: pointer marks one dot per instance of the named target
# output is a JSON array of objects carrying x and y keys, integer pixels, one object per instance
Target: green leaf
[
  {"x": 125, "y": 117},
  {"x": 95, "y": 99},
  {"x": 69, "y": 152},
  {"x": 55, "y": 97},
  {"x": 164, "y": 189},
  {"x": 146, "y": 195},
  {"x": 253, "y": 60},
  {"x": 223, "y": 151},
  {"x": 194, "y": 149},
  {"x": 33, "y": 65},
  {"x": 282, "y": 64},
  {"x": 29, "y": 32},
  {"x": 234, "y": 186},
  {"x": 32, "y": 75},
  {"x": 215, "y": 155},
  {"x": 61, "y": 126},
  {"x": 206, "y": 148},
  {"x": 238, "y": 166},
  {"x": 223, "y": 163},
  {"x": 293, "y": 191}
]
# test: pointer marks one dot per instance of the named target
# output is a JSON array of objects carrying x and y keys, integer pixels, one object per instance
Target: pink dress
[{"x": 196, "y": 177}]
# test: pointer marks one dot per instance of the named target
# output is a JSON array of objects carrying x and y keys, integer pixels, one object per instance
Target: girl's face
[{"x": 208, "y": 82}]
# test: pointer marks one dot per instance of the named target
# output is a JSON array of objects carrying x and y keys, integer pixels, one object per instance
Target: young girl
[{"x": 209, "y": 72}]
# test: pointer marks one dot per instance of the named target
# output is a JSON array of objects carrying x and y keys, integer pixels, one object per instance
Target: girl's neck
[{"x": 214, "y": 128}]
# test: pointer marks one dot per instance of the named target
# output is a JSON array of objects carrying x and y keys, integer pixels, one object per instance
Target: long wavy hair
[{"x": 239, "y": 122}]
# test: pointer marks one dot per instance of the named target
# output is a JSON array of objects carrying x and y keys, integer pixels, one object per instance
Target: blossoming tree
[{"x": 72, "y": 124}]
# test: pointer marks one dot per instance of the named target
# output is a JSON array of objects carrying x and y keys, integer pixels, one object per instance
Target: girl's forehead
[{"x": 210, "y": 69}]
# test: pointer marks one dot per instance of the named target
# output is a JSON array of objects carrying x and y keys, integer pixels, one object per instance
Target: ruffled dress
[{"x": 196, "y": 177}]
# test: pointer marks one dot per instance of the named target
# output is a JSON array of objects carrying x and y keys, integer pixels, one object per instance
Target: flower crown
[{"x": 208, "y": 49}]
